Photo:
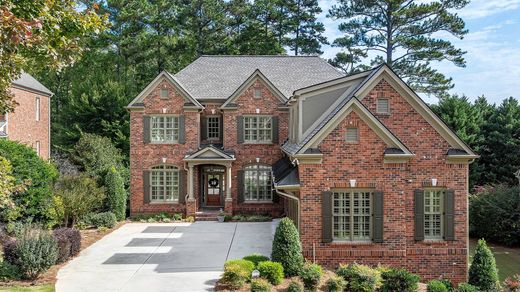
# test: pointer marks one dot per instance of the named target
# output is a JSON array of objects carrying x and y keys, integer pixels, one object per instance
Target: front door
[{"x": 213, "y": 186}]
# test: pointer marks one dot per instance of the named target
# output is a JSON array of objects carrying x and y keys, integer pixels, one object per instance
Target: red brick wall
[
  {"x": 247, "y": 153},
  {"x": 364, "y": 162},
  {"x": 22, "y": 125}
]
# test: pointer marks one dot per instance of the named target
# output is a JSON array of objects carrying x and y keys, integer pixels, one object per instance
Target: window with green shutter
[
  {"x": 164, "y": 183},
  {"x": 258, "y": 129},
  {"x": 433, "y": 211},
  {"x": 164, "y": 129},
  {"x": 352, "y": 215}
]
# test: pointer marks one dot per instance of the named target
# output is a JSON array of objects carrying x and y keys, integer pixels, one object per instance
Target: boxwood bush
[
  {"x": 295, "y": 286},
  {"x": 465, "y": 287},
  {"x": 311, "y": 276},
  {"x": 399, "y": 280},
  {"x": 271, "y": 271},
  {"x": 360, "y": 277},
  {"x": 237, "y": 273},
  {"x": 287, "y": 248},
  {"x": 256, "y": 258},
  {"x": 260, "y": 285},
  {"x": 104, "y": 219},
  {"x": 436, "y": 286},
  {"x": 483, "y": 271}
]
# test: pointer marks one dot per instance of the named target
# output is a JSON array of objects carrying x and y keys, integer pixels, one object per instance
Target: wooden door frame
[{"x": 204, "y": 182}]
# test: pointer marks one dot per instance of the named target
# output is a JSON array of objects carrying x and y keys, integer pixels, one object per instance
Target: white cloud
[{"x": 483, "y": 8}]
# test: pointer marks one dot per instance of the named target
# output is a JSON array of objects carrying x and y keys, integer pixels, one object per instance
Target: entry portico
[{"x": 215, "y": 178}]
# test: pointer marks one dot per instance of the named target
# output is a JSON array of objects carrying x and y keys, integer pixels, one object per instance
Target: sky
[{"x": 492, "y": 46}]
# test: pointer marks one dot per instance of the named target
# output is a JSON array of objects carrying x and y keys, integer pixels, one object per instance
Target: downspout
[{"x": 284, "y": 194}]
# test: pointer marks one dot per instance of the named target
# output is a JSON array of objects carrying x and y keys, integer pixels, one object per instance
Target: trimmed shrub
[
  {"x": 256, "y": 258},
  {"x": 9, "y": 271},
  {"x": 260, "y": 285},
  {"x": 399, "y": 280},
  {"x": 360, "y": 277},
  {"x": 104, "y": 219},
  {"x": 311, "y": 276},
  {"x": 295, "y": 286},
  {"x": 73, "y": 236},
  {"x": 512, "y": 284},
  {"x": 336, "y": 284},
  {"x": 465, "y": 287},
  {"x": 27, "y": 166},
  {"x": 436, "y": 286},
  {"x": 483, "y": 271},
  {"x": 177, "y": 216},
  {"x": 116, "y": 193},
  {"x": 448, "y": 284},
  {"x": 271, "y": 271},
  {"x": 492, "y": 215},
  {"x": 80, "y": 195},
  {"x": 237, "y": 273},
  {"x": 36, "y": 252},
  {"x": 287, "y": 248}
]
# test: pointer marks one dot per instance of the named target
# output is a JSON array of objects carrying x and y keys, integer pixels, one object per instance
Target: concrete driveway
[{"x": 163, "y": 257}]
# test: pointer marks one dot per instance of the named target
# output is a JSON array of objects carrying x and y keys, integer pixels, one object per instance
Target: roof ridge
[{"x": 274, "y": 56}]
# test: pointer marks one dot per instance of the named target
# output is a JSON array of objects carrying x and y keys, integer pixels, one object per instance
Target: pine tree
[
  {"x": 483, "y": 271},
  {"x": 400, "y": 32},
  {"x": 305, "y": 32}
]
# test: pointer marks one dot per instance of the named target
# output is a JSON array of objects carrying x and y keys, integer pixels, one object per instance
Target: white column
[
  {"x": 191, "y": 197},
  {"x": 228, "y": 189}
]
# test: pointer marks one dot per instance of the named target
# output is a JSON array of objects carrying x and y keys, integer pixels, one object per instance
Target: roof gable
[
  {"x": 26, "y": 81},
  {"x": 137, "y": 102},
  {"x": 250, "y": 81},
  {"x": 209, "y": 153}
]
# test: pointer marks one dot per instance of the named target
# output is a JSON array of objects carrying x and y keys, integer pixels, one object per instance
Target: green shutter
[
  {"x": 378, "y": 217},
  {"x": 449, "y": 215},
  {"x": 240, "y": 186},
  {"x": 326, "y": 217},
  {"x": 240, "y": 129},
  {"x": 146, "y": 129},
  {"x": 221, "y": 130},
  {"x": 182, "y": 186},
  {"x": 204, "y": 128},
  {"x": 275, "y": 130},
  {"x": 182, "y": 130},
  {"x": 146, "y": 186},
  {"x": 418, "y": 197}
]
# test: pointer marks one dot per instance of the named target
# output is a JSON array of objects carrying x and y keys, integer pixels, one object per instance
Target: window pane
[
  {"x": 258, "y": 129},
  {"x": 213, "y": 125},
  {"x": 351, "y": 215},
  {"x": 257, "y": 183},
  {"x": 352, "y": 135},
  {"x": 164, "y": 129},
  {"x": 433, "y": 214},
  {"x": 164, "y": 183}
]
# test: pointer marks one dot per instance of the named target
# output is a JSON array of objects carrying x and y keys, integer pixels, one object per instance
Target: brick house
[
  {"x": 360, "y": 163},
  {"x": 29, "y": 123}
]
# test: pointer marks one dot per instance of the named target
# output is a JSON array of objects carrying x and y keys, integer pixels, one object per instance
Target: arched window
[
  {"x": 257, "y": 183},
  {"x": 164, "y": 183}
]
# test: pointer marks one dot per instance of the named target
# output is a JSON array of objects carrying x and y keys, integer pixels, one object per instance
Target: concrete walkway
[{"x": 163, "y": 257}]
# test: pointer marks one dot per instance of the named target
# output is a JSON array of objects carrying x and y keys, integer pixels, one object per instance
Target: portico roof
[{"x": 210, "y": 154}]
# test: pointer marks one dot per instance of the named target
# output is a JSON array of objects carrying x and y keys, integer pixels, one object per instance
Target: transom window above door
[
  {"x": 258, "y": 129},
  {"x": 164, "y": 128}
]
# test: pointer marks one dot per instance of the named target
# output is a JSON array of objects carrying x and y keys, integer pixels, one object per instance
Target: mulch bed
[{"x": 88, "y": 237}]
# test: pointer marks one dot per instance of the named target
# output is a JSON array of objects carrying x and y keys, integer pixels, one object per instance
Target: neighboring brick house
[
  {"x": 29, "y": 123},
  {"x": 360, "y": 163}
]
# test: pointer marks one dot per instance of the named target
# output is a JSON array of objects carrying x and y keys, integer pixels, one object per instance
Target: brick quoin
[{"x": 342, "y": 161}]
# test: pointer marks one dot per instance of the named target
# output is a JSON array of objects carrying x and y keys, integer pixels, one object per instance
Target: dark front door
[{"x": 213, "y": 186}]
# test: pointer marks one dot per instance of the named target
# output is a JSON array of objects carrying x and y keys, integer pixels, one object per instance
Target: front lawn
[
  {"x": 42, "y": 288},
  {"x": 507, "y": 258}
]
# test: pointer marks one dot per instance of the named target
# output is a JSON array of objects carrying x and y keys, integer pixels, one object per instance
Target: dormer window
[
  {"x": 164, "y": 92},
  {"x": 257, "y": 93},
  {"x": 383, "y": 106},
  {"x": 352, "y": 135}
]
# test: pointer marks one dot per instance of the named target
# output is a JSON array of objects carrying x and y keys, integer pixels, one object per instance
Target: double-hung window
[
  {"x": 213, "y": 124},
  {"x": 352, "y": 215},
  {"x": 164, "y": 184},
  {"x": 258, "y": 129},
  {"x": 164, "y": 128},
  {"x": 433, "y": 202},
  {"x": 257, "y": 183}
]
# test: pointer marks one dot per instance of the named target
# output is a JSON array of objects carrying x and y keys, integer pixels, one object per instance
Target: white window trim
[
  {"x": 257, "y": 129},
  {"x": 269, "y": 188},
  {"x": 37, "y": 147},
  {"x": 351, "y": 192},
  {"x": 441, "y": 213},
  {"x": 164, "y": 171},
  {"x": 38, "y": 109},
  {"x": 218, "y": 128},
  {"x": 174, "y": 141}
]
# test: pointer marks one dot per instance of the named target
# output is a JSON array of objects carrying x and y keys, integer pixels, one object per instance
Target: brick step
[{"x": 206, "y": 216}]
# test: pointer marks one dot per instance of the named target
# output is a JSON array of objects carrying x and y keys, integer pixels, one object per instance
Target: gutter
[{"x": 293, "y": 197}]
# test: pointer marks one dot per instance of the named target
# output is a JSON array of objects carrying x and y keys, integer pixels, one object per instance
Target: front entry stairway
[{"x": 207, "y": 214}]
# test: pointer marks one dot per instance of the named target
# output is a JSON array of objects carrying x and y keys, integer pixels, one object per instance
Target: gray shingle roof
[
  {"x": 30, "y": 82},
  {"x": 292, "y": 148},
  {"x": 217, "y": 77}
]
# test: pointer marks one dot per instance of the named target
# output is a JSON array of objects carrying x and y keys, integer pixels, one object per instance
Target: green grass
[
  {"x": 41, "y": 288},
  {"x": 507, "y": 258}
]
